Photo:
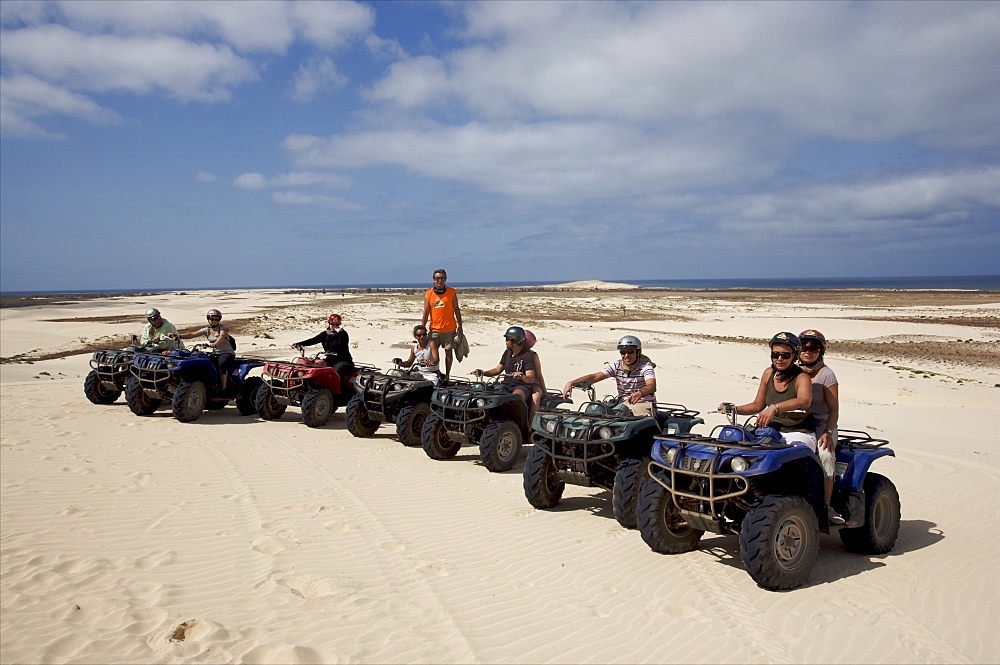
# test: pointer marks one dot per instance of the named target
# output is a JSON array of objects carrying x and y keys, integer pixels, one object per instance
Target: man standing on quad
[
  {"x": 519, "y": 364},
  {"x": 159, "y": 333},
  {"x": 441, "y": 308},
  {"x": 633, "y": 374}
]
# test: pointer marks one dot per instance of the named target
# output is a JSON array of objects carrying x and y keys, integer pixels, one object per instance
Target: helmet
[
  {"x": 630, "y": 342},
  {"x": 515, "y": 334},
  {"x": 213, "y": 312},
  {"x": 814, "y": 335},
  {"x": 334, "y": 318},
  {"x": 529, "y": 339},
  {"x": 152, "y": 313},
  {"x": 788, "y": 339}
]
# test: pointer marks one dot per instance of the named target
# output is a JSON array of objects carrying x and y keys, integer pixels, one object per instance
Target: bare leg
[{"x": 447, "y": 364}]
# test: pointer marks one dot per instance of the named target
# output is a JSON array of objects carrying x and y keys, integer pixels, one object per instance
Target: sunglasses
[
  {"x": 154, "y": 318},
  {"x": 626, "y": 352},
  {"x": 214, "y": 318},
  {"x": 784, "y": 355},
  {"x": 440, "y": 279},
  {"x": 810, "y": 347},
  {"x": 421, "y": 335}
]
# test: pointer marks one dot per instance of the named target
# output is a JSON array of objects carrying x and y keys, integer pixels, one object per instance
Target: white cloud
[
  {"x": 253, "y": 181},
  {"x": 870, "y": 71},
  {"x": 25, "y": 98},
  {"x": 316, "y": 75},
  {"x": 250, "y": 181},
  {"x": 331, "y": 24},
  {"x": 317, "y": 200},
  {"x": 565, "y": 161},
  {"x": 105, "y": 63},
  {"x": 248, "y": 25},
  {"x": 205, "y": 176}
]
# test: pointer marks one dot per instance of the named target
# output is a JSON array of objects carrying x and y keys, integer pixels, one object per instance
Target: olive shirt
[{"x": 788, "y": 422}]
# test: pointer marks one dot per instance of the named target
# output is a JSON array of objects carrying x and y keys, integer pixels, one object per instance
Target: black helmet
[
  {"x": 788, "y": 339},
  {"x": 515, "y": 334},
  {"x": 630, "y": 342}
]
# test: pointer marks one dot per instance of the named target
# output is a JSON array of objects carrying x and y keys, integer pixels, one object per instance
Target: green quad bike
[
  {"x": 399, "y": 396},
  {"x": 109, "y": 369},
  {"x": 600, "y": 444},
  {"x": 480, "y": 413}
]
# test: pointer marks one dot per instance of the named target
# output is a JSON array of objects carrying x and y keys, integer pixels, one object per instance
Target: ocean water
[{"x": 964, "y": 283}]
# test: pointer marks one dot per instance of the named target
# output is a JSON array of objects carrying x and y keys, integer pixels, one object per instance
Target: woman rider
[
  {"x": 425, "y": 354},
  {"x": 218, "y": 338},
  {"x": 337, "y": 345},
  {"x": 825, "y": 407},
  {"x": 784, "y": 387}
]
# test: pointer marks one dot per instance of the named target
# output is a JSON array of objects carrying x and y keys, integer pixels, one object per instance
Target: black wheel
[
  {"x": 138, "y": 401},
  {"x": 435, "y": 440},
  {"x": 542, "y": 485},
  {"x": 268, "y": 408},
  {"x": 317, "y": 406},
  {"x": 358, "y": 422},
  {"x": 189, "y": 401},
  {"x": 410, "y": 422},
  {"x": 629, "y": 479},
  {"x": 96, "y": 391},
  {"x": 779, "y": 541},
  {"x": 659, "y": 523},
  {"x": 881, "y": 527},
  {"x": 500, "y": 445},
  {"x": 246, "y": 402}
]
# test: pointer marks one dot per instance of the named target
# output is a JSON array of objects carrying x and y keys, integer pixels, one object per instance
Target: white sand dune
[{"x": 235, "y": 540}]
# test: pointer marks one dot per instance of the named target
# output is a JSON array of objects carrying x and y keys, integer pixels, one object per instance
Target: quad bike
[
  {"x": 601, "y": 444},
  {"x": 308, "y": 383},
  {"x": 401, "y": 395},
  {"x": 110, "y": 368},
  {"x": 747, "y": 481},
  {"x": 481, "y": 413},
  {"x": 190, "y": 380}
]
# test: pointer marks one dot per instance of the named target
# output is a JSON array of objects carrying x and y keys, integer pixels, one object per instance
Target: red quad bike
[{"x": 308, "y": 383}]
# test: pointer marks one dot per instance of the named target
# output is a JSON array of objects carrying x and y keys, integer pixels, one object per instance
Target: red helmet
[
  {"x": 213, "y": 312},
  {"x": 814, "y": 335},
  {"x": 529, "y": 339},
  {"x": 334, "y": 318}
]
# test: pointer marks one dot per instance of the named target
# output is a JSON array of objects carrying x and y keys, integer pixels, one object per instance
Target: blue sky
[{"x": 210, "y": 145}]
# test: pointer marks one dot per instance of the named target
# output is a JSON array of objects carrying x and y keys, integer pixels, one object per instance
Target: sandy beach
[{"x": 237, "y": 540}]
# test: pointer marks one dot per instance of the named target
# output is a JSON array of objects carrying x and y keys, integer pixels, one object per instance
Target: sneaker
[{"x": 835, "y": 517}]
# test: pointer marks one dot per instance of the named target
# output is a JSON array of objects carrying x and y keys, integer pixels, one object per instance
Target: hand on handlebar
[{"x": 477, "y": 372}]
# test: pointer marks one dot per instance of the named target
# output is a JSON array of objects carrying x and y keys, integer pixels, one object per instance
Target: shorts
[
  {"x": 524, "y": 390},
  {"x": 827, "y": 458},
  {"x": 445, "y": 340},
  {"x": 643, "y": 408}
]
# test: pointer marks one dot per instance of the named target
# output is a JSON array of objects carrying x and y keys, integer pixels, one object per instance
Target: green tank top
[{"x": 788, "y": 422}]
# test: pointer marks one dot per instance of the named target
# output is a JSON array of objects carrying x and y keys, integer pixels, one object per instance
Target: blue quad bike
[
  {"x": 747, "y": 481},
  {"x": 189, "y": 379},
  {"x": 599, "y": 444}
]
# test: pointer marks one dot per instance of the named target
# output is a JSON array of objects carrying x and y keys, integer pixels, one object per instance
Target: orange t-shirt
[{"x": 442, "y": 310}]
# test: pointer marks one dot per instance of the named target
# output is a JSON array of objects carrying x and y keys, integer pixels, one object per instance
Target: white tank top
[{"x": 421, "y": 356}]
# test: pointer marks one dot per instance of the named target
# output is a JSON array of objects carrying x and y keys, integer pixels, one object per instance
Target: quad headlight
[
  {"x": 605, "y": 432},
  {"x": 670, "y": 456},
  {"x": 550, "y": 426},
  {"x": 739, "y": 464},
  {"x": 480, "y": 402}
]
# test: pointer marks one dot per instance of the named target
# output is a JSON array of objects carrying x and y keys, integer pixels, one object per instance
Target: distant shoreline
[{"x": 10, "y": 299}]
